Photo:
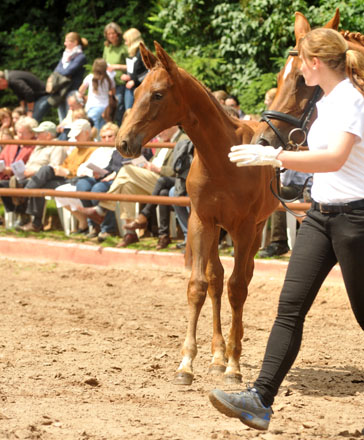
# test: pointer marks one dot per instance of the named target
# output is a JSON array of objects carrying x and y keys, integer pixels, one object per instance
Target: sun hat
[
  {"x": 48, "y": 126},
  {"x": 79, "y": 125}
]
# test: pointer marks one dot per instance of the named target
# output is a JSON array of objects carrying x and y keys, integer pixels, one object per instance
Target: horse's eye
[{"x": 157, "y": 96}]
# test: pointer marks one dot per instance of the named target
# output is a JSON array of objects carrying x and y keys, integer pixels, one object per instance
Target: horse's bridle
[{"x": 300, "y": 124}]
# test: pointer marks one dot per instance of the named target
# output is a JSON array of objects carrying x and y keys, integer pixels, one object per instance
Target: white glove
[{"x": 254, "y": 154}]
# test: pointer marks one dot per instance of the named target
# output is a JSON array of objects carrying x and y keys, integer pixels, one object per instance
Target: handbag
[
  {"x": 57, "y": 86},
  {"x": 109, "y": 112}
]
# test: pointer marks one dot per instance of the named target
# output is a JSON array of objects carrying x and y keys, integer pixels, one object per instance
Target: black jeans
[
  {"x": 162, "y": 187},
  {"x": 322, "y": 241}
]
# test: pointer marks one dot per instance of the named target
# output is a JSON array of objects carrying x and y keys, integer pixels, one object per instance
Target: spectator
[
  {"x": 75, "y": 102},
  {"x": 29, "y": 89},
  {"x": 72, "y": 65},
  {"x": 292, "y": 186},
  {"x": 6, "y": 120},
  {"x": 49, "y": 176},
  {"x": 89, "y": 178},
  {"x": 233, "y": 101},
  {"x": 114, "y": 54},
  {"x": 99, "y": 86},
  {"x": 41, "y": 155},
  {"x": 17, "y": 113},
  {"x": 135, "y": 69},
  {"x": 181, "y": 160},
  {"x": 11, "y": 153},
  {"x": 134, "y": 179},
  {"x": 269, "y": 97},
  {"x": 220, "y": 95}
]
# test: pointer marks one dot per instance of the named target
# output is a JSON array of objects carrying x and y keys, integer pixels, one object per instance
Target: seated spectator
[
  {"x": 51, "y": 177},
  {"x": 292, "y": 186},
  {"x": 12, "y": 153},
  {"x": 182, "y": 215},
  {"x": 233, "y": 101},
  {"x": 181, "y": 161},
  {"x": 88, "y": 178},
  {"x": 99, "y": 85},
  {"x": 5, "y": 134},
  {"x": 74, "y": 102},
  {"x": 134, "y": 179},
  {"x": 41, "y": 155},
  {"x": 29, "y": 89},
  {"x": 6, "y": 120},
  {"x": 17, "y": 113}
]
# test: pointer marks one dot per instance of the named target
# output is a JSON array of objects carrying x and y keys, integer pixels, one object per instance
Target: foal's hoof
[
  {"x": 217, "y": 369},
  {"x": 183, "y": 378},
  {"x": 232, "y": 379}
]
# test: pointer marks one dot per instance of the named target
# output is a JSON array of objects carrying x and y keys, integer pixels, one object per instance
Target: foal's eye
[{"x": 157, "y": 96}]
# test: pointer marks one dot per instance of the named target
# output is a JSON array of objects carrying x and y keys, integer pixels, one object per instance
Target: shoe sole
[{"x": 230, "y": 411}]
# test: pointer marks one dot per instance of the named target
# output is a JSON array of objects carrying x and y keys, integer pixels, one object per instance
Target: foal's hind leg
[{"x": 200, "y": 237}]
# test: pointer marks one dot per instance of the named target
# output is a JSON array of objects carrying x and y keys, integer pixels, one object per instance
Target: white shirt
[
  {"x": 340, "y": 111},
  {"x": 99, "y": 98},
  {"x": 100, "y": 157}
]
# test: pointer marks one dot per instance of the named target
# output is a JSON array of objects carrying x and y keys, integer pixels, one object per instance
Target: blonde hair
[
  {"x": 132, "y": 39},
  {"x": 75, "y": 36},
  {"x": 26, "y": 121},
  {"x": 115, "y": 27},
  {"x": 99, "y": 71},
  {"x": 109, "y": 126},
  {"x": 330, "y": 46},
  {"x": 79, "y": 113}
]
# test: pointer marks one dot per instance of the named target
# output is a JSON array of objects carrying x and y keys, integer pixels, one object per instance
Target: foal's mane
[{"x": 216, "y": 103}]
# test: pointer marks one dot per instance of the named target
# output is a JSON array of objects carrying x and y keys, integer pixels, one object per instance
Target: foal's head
[
  {"x": 158, "y": 103},
  {"x": 294, "y": 102}
]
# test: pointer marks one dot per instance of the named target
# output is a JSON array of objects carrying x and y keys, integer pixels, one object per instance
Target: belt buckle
[{"x": 322, "y": 209}]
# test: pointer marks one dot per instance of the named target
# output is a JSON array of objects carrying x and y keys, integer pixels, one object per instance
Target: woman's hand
[
  {"x": 125, "y": 77},
  {"x": 61, "y": 172},
  {"x": 254, "y": 154}
]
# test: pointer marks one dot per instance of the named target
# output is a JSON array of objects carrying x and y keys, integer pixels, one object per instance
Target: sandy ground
[{"x": 90, "y": 353}]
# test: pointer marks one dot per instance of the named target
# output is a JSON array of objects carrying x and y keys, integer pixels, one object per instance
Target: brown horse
[
  {"x": 293, "y": 108},
  {"x": 222, "y": 195}
]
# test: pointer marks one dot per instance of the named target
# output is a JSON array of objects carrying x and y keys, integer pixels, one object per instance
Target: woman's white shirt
[{"x": 340, "y": 111}]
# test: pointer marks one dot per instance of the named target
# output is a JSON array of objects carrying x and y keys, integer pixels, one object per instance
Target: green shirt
[{"x": 115, "y": 55}]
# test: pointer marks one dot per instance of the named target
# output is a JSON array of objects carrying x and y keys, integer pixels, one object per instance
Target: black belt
[{"x": 326, "y": 208}]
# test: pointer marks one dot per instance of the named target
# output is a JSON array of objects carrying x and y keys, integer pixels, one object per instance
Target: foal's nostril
[{"x": 123, "y": 147}]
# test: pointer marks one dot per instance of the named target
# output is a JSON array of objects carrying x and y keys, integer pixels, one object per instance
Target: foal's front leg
[{"x": 200, "y": 237}]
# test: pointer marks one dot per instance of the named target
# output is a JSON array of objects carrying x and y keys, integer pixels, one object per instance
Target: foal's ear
[
  {"x": 334, "y": 22},
  {"x": 164, "y": 58},
  {"x": 301, "y": 26},
  {"x": 148, "y": 58}
]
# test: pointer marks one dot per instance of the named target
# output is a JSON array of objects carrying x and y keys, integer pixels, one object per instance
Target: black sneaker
[
  {"x": 245, "y": 406},
  {"x": 274, "y": 249}
]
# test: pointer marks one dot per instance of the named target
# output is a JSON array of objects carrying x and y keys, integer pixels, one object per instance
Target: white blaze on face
[{"x": 288, "y": 68}]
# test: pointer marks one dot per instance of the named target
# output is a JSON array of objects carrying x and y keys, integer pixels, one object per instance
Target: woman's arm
[{"x": 321, "y": 161}]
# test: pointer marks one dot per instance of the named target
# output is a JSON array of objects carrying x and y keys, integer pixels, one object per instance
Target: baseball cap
[
  {"x": 77, "y": 126},
  {"x": 46, "y": 126}
]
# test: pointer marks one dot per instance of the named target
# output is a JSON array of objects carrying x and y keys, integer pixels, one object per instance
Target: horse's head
[
  {"x": 291, "y": 112},
  {"x": 158, "y": 103}
]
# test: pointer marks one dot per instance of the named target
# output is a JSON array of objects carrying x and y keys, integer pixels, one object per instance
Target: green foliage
[{"x": 237, "y": 45}]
